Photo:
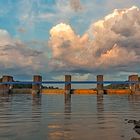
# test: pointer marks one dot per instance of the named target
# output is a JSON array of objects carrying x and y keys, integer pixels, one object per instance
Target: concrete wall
[
  {"x": 67, "y": 79},
  {"x": 36, "y": 78},
  {"x": 132, "y": 86},
  {"x": 100, "y": 79}
]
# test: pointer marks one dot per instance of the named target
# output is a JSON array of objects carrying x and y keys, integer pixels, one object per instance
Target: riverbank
[{"x": 73, "y": 91}]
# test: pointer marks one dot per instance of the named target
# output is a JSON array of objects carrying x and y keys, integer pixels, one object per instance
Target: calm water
[{"x": 81, "y": 117}]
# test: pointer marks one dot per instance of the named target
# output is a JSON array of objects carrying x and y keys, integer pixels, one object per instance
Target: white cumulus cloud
[{"x": 110, "y": 43}]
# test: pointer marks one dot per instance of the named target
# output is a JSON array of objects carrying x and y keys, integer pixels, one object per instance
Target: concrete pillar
[
  {"x": 133, "y": 86},
  {"x": 36, "y": 88},
  {"x": 130, "y": 79},
  {"x": 100, "y": 85},
  {"x": 7, "y": 88},
  {"x": 1, "y": 86},
  {"x": 67, "y": 86},
  {"x": 139, "y": 82}
]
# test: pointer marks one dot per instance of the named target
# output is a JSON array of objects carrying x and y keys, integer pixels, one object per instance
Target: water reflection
[
  {"x": 100, "y": 104},
  {"x": 67, "y": 117},
  {"x": 36, "y": 108},
  {"x": 135, "y": 139},
  {"x": 134, "y": 98},
  {"x": 59, "y": 117},
  {"x": 5, "y": 98},
  {"x": 134, "y": 103},
  {"x": 67, "y": 103},
  {"x": 100, "y": 112},
  {"x": 36, "y": 100},
  {"x": 62, "y": 130}
]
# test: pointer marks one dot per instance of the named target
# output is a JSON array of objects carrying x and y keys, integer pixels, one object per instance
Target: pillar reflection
[
  {"x": 67, "y": 117},
  {"x": 36, "y": 100},
  {"x": 100, "y": 104},
  {"x": 67, "y": 102}
]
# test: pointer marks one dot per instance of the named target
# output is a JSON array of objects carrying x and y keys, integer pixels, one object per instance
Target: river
[{"x": 79, "y": 117}]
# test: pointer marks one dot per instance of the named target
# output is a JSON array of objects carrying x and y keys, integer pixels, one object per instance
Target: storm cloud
[
  {"x": 16, "y": 56},
  {"x": 111, "y": 43}
]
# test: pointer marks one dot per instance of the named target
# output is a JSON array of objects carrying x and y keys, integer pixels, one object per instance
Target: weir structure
[
  {"x": 67, "y": 84},
  {"x": 134, "y": 86},
  {"x": 100, "y": 85},
  {"x": 7, "y": 83},
  {"x": 36, "y": 87},
  {"x": 5, "y": 86}
]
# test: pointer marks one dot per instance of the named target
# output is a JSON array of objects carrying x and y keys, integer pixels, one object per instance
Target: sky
[{"x": 83, "y": 38}]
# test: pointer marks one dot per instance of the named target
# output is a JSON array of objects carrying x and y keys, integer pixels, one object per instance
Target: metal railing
[{"x": 72, "y": 82}]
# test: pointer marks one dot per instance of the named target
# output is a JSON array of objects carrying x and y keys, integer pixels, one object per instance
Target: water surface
[{"x": 81, "y": 117}]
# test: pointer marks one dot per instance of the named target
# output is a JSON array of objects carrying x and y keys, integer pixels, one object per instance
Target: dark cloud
[
  {"x": 76, "y": 5},
  {"x": 17, "y": 58}
]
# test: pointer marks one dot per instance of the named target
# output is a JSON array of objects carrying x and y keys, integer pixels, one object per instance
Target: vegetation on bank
[
  {"x": 117, "y": 86},
  {"x": 30, "y": 86}
]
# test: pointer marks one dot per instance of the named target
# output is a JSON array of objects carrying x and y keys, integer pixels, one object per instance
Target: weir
[
  {"x": 36, "y": 87},
  {"x": 133, "y": 86},
  {"x": 67, "y": 84},
  {"x": 7, "y": 84},
  {"x": 100, "y": 85}
]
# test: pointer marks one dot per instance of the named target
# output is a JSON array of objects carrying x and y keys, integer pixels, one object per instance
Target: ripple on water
[{"x": 80, "y": 117}]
